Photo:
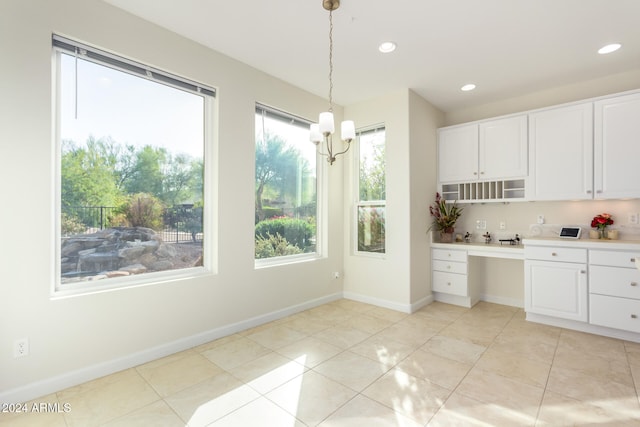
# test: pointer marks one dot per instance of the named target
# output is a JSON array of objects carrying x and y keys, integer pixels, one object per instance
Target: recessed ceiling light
[
  {"x": 609, "y": 48},
  {"x": 468, "y": 87},
  {"x": 387, "y": 47}
]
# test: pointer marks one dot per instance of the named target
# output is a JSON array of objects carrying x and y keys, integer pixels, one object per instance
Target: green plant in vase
[{"x": 444, "y": 216}]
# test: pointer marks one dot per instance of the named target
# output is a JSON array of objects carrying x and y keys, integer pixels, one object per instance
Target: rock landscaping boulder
[{"x": 113, "y": 252}]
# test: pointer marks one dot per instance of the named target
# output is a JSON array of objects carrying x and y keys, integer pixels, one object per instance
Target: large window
[
  {"x": 286, "y": 186},
  {"x": 131, "y": 147},
  {"x": 371, "y": 203}
]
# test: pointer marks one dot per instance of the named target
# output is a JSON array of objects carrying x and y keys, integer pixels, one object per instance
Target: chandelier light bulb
[
  {"x": 326, "y": 123},
  {"x": 315, "y": 135},
  {"x": 348, "y": 130}
]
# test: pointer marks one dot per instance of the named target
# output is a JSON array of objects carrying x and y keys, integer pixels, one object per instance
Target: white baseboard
[
  {"x": 392, "y": 305},
  {"x": 68, "y": 379}
]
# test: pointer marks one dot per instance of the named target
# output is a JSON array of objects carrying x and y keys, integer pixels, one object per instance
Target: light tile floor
[{"x": 353, "y": 364}]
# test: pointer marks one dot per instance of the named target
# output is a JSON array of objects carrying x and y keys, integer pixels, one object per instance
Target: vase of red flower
[{"x": 601, "y": 222}]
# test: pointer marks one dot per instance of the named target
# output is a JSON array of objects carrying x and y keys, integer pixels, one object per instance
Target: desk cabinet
[{"x": 449, "y": 276}]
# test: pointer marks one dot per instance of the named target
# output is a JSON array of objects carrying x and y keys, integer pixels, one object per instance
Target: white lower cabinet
[
  {"x": 557, "y": 289},
  {"x": 555, "y": 282},
  {"x": 591, "y": 286},
  {"x": 614, "y": 290}
]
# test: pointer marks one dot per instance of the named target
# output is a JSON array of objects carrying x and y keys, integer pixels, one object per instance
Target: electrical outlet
[
  {"x": 633, "y": 218},
  {"x": 336, "y": 275},
  {"x": 540, "y": 219},
  {"x": 503, "y": 225},
  {"x": 481, "y": 224},
  {"x": 21, "y": 347}
]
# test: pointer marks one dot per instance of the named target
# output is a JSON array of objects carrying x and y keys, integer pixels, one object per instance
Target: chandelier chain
[{"x": 331, "y": 60}]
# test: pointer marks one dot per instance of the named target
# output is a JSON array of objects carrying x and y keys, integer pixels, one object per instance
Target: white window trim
[{"x": 210, "y": 196}]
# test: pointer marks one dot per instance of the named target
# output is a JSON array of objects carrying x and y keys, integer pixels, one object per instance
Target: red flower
[{"x": 601, "y": 221}]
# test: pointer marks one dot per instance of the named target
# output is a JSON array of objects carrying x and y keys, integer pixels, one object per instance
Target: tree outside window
[{"x": 285, "y": 186}]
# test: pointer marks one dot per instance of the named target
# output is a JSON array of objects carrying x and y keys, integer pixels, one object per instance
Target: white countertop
[{"x": 630, "y": 245}]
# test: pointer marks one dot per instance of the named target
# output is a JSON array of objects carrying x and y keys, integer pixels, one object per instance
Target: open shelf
[{"x": 485, "y": 191}]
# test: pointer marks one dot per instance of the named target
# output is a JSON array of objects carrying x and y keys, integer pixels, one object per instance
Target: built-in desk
[
  {"x": 587, "y": 285},
  {"x": 453, "y": 278}
]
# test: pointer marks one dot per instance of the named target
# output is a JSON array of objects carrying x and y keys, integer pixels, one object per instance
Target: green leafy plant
[
  {"x": 273, "y": 246},
  {"x": 444, "y": 215},
  {"x": 296, "y": 231}
]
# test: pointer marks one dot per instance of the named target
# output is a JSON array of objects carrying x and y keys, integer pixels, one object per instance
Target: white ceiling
[{"x": 506, "y": 47}]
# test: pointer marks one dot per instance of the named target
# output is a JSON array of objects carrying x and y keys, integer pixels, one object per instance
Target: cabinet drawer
[
  {"x": 614, "y": 281},
  {"x": 613, "y": 258},
  {"x": 450, "y": 283},
  {"x": 450, "y": 255},
  {"x": 449, "y": 266},
  {"x": 613, "y": 312},
  {"x": 547, "y": 253}
]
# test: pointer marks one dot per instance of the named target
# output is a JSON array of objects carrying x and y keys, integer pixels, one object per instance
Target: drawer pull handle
[
  {"x": 634, "y": 316},
  {"x": 448, "y": 283},
  {"x": 448, "y": 267},
  {"x": 633, "y": 284},
  {"x": 632, "y": 260},
  {"x": 554, "y": 254}
]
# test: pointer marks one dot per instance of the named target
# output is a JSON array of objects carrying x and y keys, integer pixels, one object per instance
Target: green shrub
[
  {"x": 143, "y": 210},
  {"x": 272, "y": 246},
  {"x": 71, "y": 224},
  {"x": 297, "y": 232}
]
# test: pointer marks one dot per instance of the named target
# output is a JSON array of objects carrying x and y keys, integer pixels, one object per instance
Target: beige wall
[
  {"x": 424, "y": 119},
  {"x": 401, "y": 278},
  {"x": 73, "y": 339}
]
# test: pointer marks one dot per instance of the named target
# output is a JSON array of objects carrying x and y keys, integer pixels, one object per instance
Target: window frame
[
  {"x": 357, "y": 203},
  {"x": 321, "y": 202},
  {"x": 60, "y": 46}
]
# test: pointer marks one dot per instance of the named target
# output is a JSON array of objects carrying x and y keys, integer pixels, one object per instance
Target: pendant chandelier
[{"x": 322, "y": 132}]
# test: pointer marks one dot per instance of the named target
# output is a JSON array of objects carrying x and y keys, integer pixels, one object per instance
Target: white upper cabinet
[
  {"x": 503, "y": 148},
  {"x": 617, "y": 147},
  {"x": 458, "y": 153},
  {"x": 493, "y": 149},
  {"x": 561, "y": 153}
]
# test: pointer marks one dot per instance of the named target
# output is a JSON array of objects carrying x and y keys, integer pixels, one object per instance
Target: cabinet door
[
  {"x": 556, "y": 289},
  {"x": 458, "y": 154},
  {"x": 561, "y": 153},
  {"x": 617, "y": 147},
  {"x": 503, "y": 148}
]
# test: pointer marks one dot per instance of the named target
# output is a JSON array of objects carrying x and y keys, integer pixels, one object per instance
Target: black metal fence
[
  {"x": 181, "y": 223},
  {"x": 93, "y": 217}
]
